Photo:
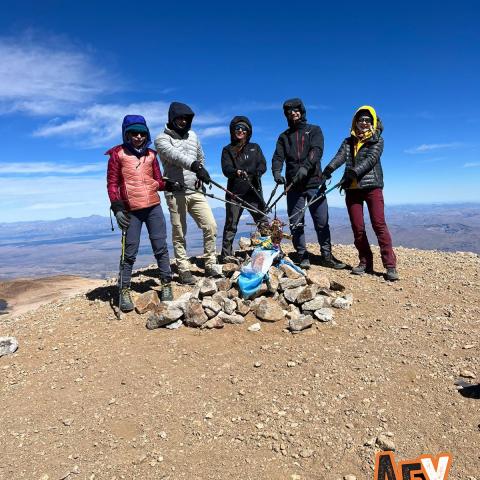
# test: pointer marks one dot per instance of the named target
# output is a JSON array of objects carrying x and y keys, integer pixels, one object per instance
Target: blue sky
[{"x": 70, "y": 71}]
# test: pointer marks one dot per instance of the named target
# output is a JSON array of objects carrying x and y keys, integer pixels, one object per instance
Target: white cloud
[
  {"x": 100, "y": 124},
  {"x": 428, "y": 147},
  {"x": 28, "y": 168},
  {"x": 471, "y": 164},
  {"x": 44, "y": 80}
]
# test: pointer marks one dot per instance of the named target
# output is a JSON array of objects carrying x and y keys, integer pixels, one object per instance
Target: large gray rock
[
  {"x": 291, "y": 294},
  {"x": 147, "y": 301},
  {"x": 157, "y": 320},
  {"x": 324, "y": 314},
  {"x": 229, "y": 306},
  {"x": 172, "y": 312},
  {"x": 292, "y": 282},
  {"x": 233, "y": 319},
  {"x": 8, "y": 345},
  {"x": 211, "y": 307},
  {"x": 269, "y": 310},
  {"x": 315, "y": 304},
  {"x": 194, "y": 315},
  {"x": 303, "y": 322},
  {"x": 180, "y": 302},
  {"x": 207, "y": 287},
  {"x": 307, "y": 294}
]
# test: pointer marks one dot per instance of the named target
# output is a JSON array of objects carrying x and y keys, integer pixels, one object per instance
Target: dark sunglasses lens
[
  {"x": 239, "y": 128},
  {"x": 135, "y": 133}
]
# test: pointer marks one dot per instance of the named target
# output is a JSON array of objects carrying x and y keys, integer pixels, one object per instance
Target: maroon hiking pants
[{"x": 374, "y": 200}]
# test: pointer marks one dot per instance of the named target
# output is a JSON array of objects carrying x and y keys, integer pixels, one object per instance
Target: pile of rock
[{"x": 301, "y": 299}]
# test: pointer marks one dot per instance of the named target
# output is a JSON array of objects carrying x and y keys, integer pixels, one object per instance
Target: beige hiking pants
[{"x": 197, "y": 206}]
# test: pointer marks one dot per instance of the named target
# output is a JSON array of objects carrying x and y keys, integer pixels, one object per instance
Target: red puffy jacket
[{"x": 132, "y": 182}]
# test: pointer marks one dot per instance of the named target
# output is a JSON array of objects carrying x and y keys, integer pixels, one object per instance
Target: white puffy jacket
[{"x": 177, "y": 155}]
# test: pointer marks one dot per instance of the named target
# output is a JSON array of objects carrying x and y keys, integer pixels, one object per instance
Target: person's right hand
[
  {"x": 277, "y": 176},
  {"x": 327, "y": 173},
  {"x": 123, "y": 219},
  {"x": 242, "y": 174},
  {"x": 200, "y": 171}
]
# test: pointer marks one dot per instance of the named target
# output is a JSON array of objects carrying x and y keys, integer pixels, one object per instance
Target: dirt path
[{"x": 89, "y": 397}]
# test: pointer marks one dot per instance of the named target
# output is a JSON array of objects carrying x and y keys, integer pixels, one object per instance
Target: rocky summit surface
[{"x": 90, "y": 397}]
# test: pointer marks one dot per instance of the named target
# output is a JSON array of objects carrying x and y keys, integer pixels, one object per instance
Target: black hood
[
  {"x": 240, "y": 119},
  {"x": 295, "y": 103},
  {"x": 176, "y": 110}
]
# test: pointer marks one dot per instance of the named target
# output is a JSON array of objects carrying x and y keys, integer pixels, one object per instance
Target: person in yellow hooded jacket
[{"x": 363, "y": 183}]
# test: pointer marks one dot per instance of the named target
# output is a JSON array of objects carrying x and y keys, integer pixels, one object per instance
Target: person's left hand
[
  {"x": 171, "y": 186},
  {"x": 242, "y": 174},
  {"x": 300, "y": 176},
  {"x": 348, "y": 177}
]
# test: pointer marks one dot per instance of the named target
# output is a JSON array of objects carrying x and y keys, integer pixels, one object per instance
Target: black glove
[
  {"x": 201, "y": 172},
  {"x": 348, "y": 177},
  {"x": 123, "y": 219},
  {"x": 242, "y": 174},
  {"x": 327, "y": 173},
  {"x": 300, "y": 176},
  {"x": 277, "y": 176},
  {"x": 171, "y": 186}
]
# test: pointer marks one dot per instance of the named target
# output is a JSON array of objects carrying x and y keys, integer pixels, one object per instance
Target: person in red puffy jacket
[{"x": 133, "y": 182}]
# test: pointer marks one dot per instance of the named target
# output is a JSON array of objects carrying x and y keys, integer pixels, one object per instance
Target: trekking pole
[
  {"x": 122, "y": 263},
  {"x": 271, "y": 196},
  {"x": 314, "y": 199},
  {"x": 240, "y": 200},
  {"x": 255, "y": 191},
  {"x": 270, "y": 208}
]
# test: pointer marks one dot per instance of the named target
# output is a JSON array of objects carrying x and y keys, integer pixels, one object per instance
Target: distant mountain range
[{"x": 88, "y": 247}]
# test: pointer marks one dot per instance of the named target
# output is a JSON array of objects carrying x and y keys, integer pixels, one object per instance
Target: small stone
[
  {"x": 207, "y": 287},
  {"x": 316, "y": 304},
  {"x": 212, "y": 305},
  {"x": 147, "y": 301},
  {"x": 291, "y": 294},
  {"x": 344, "y": 302},
  {"x": 293, "y": 282},
  {"x": 307, "y": 294},
  {"x": 194, "y": 315},
  {"x": 273, "y": 281},
  {"x": 306, "y": 453},
  {"x": 467, "y": 374},
  {"x": 336, "y": 287},
  {"x": 162, "y": 434},
  {"x": 256, "y": 327},
  {"x": 209, "y": 415},
  {"x": 269, "y": 310},
  {"x": 8, "y": 345},
  {"x": 219, "y": 297},
  {"x": 229, "y": 306},
  {"x": 324, "y": 314},
  {"x": 289, "y": 271},
  {"x": 385, "y": 443},
  {"x": 291, "y": 364},
  {"x": 232, "y": 293},
  {"x": 243, "y": 306},
  {"x": 314, "y": 277},
  {"x": 300, "y": 324},
  {"x": 229, "y": 268},
  {"x": 244, "y": 243},
  {"x": 257, "y": 364},
  {"x": 172, "y": 312},
  {"x": 469, "y": 346},
  {"x": 67, "y": 421},
  {"x": 216, "y": 322},
  {"x": 293, "y": 312},
  {"x": 223, "y": 284},
  {"x": 232, "y": 319},
  {"x": 349, "y": 477}
]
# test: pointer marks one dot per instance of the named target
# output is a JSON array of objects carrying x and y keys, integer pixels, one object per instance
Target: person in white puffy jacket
[{"x": 183, "y": 161}]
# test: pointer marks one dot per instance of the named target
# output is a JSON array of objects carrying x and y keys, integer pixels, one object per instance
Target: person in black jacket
[
  {"x": 363, "y": 182},
  {"x": 300, "y": 147},
  {"x": 243, "y": 164}
]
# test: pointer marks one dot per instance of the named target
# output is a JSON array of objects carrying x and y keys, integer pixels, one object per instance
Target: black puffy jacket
[
  {"x": 250, "y": 159},
  {"x": 366, "y": 164},
  {"x": 301, "y": 145}
]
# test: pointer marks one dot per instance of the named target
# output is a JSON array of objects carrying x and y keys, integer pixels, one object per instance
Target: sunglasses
[
  {"x": 364, "y": 120},
  {"x": 240, "y": 128},
  {"x": 134, "y": 133},
  {"x": 293, "y": 110}
]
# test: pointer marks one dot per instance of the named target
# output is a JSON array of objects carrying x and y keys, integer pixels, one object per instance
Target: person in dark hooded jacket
[
  {"x": 363, "y": 183},
  {"x": 133, "y": 182},
  {"x": 243, "y": 164},
  {"x": 300, "y": 148}
]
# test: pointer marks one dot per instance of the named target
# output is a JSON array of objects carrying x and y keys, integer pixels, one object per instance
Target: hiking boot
[
  {"x": 126, "y": 303},
  {"x": 166, "y": 293},
  {"x": 305, "y": 262},
  {"x": 331, "y": 262},
  {"x": 186, "y": 278},
  {"x": 213, "y": 271},
  {"x": 362, "y": 268},
  {"x": 391, "y": 274}
]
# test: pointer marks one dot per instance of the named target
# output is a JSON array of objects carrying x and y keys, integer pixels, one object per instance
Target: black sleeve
[
  {"x": 261, "y": 162},
  {"x": 340, "y": 158},
  {"x": 316, "y": 149},
  {"x": 279, "y": 155},
  {"x": 371, "y": 159},
  {"x": 228, "y": 168}
]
